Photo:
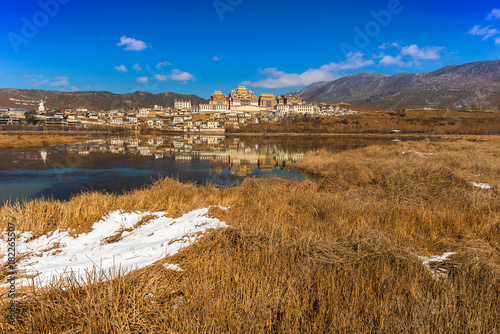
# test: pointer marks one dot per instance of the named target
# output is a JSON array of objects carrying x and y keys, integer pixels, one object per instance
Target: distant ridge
[
  {"x": 92, "y": 100},
  {"x": 469, "y": 86}
]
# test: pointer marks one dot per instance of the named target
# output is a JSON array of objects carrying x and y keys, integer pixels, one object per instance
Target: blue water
[{"x": 113, "y": 166}]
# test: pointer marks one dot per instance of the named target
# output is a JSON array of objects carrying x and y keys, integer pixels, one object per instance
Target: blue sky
[{"x": 196, "y": 47}]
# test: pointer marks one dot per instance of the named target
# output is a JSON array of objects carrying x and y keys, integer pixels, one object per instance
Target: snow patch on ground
[
  {"x": 481, "y": 185},
  {"x": 172, "y": 266},
  {"x": 59, "y": 255},
  {"x": 439, "y": 272},
  {"x": 420, "y": 154}
]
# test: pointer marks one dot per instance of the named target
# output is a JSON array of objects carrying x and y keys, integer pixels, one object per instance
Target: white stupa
[{"x": 41, "y": 107}]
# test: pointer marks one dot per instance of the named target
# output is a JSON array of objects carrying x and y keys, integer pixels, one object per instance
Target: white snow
[
  {"x": 59, "y": 255},
  {"x": 481, "y": 185},
  {"x": 439, "y": 272},
  {"x": 420, "y": 154},
  {"x": 172, "y": 266}
]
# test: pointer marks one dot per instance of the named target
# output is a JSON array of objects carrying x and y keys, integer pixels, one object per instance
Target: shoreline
[
  {"x": 31, "y": 141},
  {"x": 249, "y": 134},
  {"x": 373, "y": 135}
]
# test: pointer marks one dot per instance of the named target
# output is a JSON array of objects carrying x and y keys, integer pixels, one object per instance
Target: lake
[{"x": 117, "y": 164}]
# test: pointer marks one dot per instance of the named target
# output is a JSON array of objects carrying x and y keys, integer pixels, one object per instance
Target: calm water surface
[{"x": 115, "y": 164}]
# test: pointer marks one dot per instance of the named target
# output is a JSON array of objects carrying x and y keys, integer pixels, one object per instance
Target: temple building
[
  {"x": 218, "y": 102},
  {"x": 242, "y": 97},
  {"x": 244, "y": 100},
  {"x": 293, "y": 104},
  {"x": 290, "y": 100},
  {"x": 219, "y": 98},
  {"x": 267, "y": 101}
]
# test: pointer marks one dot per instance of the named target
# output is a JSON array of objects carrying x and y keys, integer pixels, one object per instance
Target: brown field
[
  {"x": 428, "y": 122},
  {"x": 30, "y": 141},
  {"x": 335, "y": 256}
]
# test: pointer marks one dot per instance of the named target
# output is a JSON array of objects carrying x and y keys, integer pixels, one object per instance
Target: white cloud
[
  {"x": 327, "y": 72},
  {"x": 390, "y": 60},
  {"x": 279, "y": 79},
  {"x": 121, "y": 68},
  {"x": 487, "y": 32},
  {"x": 389, "y": 45},
  {"x": 160, "y": 77},
  {"x": 425, "y": 53},
  {"x": 74, "y": 88},
  {"x": 137, "y": 67},
  {"x": 408, "y": 56},
  {"x": 132, "y": 44},
  {"x": 38, "y": 83},
  {"x": 54, "y": 82},
  {"x": 497, "y": 41},
  {"x": 180, "y": 75},
  {"x": 175, "y": 74},
  {"x": 354, "y": 61},
  {"x": 216, "y": 58},
  {"x": 162, "y": 65},
  {"x": 142, "y": 79},
  {"x": 60, "y": 83},
  {"x": 494, "y": 14}
]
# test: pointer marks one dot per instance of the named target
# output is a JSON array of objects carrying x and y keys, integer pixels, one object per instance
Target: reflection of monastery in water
[{"x": 222, "y": 153}]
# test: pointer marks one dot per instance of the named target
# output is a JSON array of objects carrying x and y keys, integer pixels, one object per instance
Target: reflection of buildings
[
  {"x": 242, "y": 170},
  {"x": 220, "y": 152},
  {"x": 267, "y": 163}
]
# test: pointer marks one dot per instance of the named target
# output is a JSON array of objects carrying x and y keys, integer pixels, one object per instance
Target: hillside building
[
  {"x": 182, "y": 105},
  {"x": 219, "y": 98},
  {"x": 290, "y": 100},
  {"x": 242, "y": 97},
  {"x": 284, "y": 109},
  {"x": 267, "y": 101}
]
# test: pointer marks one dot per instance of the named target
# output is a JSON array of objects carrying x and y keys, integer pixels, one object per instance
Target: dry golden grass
[
  {"x": 435, "y": 122},
  {"x": 339, "y": 256},
  {"x": 80, "y": 212},
  {"x": 31, "y": 141}
]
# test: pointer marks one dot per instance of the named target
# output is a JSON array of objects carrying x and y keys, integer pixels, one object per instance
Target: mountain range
[
  {"x": 93, "y": 101},
  {"x": 463, "y": 87}
]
